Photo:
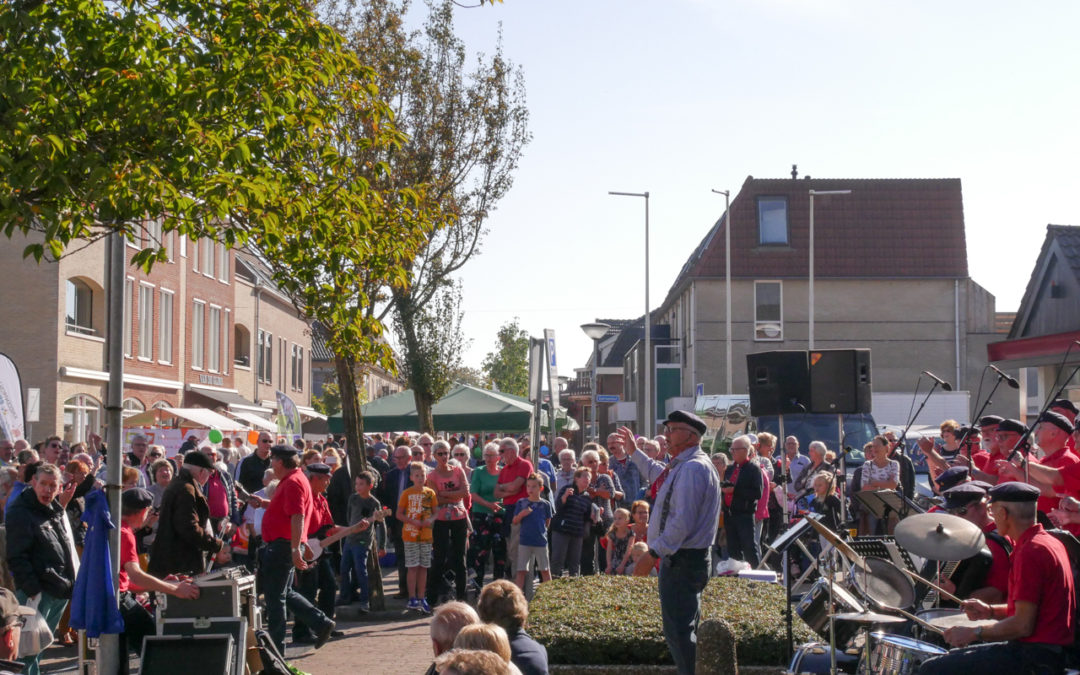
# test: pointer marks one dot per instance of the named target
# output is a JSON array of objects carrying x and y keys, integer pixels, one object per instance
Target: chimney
[{"x": 794, "y": 171}]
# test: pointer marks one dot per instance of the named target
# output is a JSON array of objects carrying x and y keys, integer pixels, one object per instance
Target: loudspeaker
[
  {"x": 840, "y": 381},
  {"x": 779, "y": 382}
]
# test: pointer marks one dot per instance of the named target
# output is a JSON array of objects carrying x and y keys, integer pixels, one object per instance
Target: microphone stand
[
  {"x": 1024, "y": 444},
  {"x": 978, "y": 415},
  {"x": 901, "y": 443}
]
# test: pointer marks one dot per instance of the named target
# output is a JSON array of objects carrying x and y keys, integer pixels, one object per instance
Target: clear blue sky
[{"x": 682, "y": 96}]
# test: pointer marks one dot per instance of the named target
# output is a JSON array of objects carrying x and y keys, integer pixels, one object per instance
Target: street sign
[
  {"x": 607, "y": 398},
  {"x": 553, "y": 372},
  {"x": 699, "y": 390}
]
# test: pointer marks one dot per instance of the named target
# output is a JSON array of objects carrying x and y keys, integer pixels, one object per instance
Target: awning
[
  {"x": 254, "y": 420},
  {"x": 228, "y": 397},
  {"x": 199, "y": 417},
  {"x": 310, "y": 413}
]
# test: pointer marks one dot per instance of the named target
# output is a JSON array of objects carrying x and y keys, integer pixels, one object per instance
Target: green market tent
[{"x": 464, "y": 408}]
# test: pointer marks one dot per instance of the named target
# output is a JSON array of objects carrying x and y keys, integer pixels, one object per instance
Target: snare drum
[
  {"x": 898, "y": 655},
  {"x": 929, "y": 615},
  {"x": 885, "y": 585},
  {"x": 814, "y": 610},
  {"x": 812, "y": 658}
]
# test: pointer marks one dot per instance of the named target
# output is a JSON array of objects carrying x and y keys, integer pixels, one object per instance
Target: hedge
[{"x": 614, "y": 620}]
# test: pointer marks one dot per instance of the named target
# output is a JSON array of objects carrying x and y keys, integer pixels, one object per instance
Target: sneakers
[
  {"x": 424, "y": 606},
  {"x": 414, "y": 604}
]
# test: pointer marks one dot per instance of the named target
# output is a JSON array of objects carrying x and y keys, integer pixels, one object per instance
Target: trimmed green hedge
[{"x": 610, "y": 620}]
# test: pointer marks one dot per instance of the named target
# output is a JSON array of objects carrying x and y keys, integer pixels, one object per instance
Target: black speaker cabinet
[
  {"x": 840, "y": 381},
  {"x": 779, "y": 382}
]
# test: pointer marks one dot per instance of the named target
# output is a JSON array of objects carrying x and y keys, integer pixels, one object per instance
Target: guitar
[{"x": 314, "y": 547}]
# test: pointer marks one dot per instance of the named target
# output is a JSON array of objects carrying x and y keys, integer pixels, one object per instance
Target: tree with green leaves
[
  {"x": 432, "y": 349},
  {"x": 466, "y": 128},
  {"x": 507, "y": 368}
]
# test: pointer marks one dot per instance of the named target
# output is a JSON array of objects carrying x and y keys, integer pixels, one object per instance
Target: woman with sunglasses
[
  {"x": 451, "y": 529},
  {"x": 461, "y": 454},
  {"x": 487, "y": 519}
]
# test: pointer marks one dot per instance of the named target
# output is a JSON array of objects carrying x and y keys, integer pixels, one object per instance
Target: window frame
[
  {"x": 165, "y": 325},
  {"x": 213, "y": 347},
  {"x": 198, "y": 335},
  {"x": 82, "y": 316},
  {"x": 763, "y": 199},
  {"x": 129, "y": 318},
  {"x": 146, "y": 321}
]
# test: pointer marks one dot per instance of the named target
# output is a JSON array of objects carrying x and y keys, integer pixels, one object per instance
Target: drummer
[
  {"x": 973, "y": 579},
  {"x": 1035, "y": 625}
]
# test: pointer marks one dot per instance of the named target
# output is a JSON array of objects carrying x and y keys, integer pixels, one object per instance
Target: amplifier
[
  {"x": 237, "y": 628},
  {"x": 218, "y": 597}
]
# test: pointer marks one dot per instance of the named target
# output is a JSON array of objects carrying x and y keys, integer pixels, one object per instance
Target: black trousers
[
  {"x": 318, "y": 586},
  {"x": 138, "y": 623},
  {"x": 448, "y": 542},
  {"x": 741, "y": 542}
]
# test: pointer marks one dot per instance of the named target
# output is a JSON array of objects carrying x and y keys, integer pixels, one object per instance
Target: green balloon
[{"x": 214, "y": 436}]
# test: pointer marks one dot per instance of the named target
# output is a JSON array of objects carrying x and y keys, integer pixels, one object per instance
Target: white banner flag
[{"x": 12, "y": 422}]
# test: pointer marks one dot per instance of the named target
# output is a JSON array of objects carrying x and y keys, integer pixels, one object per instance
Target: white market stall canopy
[
  {"x": 255, "y": 421},
  {"x": 199, "y": 417}
]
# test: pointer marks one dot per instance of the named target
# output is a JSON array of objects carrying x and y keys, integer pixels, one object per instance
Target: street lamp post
[
  {"x": 595, "y": 331},
  {"x": 650, "y": 423},
  {"x": 727, "y": 284},
  {"x": 811, "y": 277}
]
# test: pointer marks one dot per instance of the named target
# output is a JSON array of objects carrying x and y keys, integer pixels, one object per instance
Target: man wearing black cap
[
  {"x": 1034, "y": 627},
  {"x": 12, "y": 614},
  {"x": 984, "y": 576},
  {"x": 283, "y": 529},
  {"x": 1007, "y": 434},
  {"x": 682, "y": 529},
  {"x": 184, "y": 538},
  {"x": 138, "y": 623},
  {"x": 1058, "y": 472},
  {"x": 317, "y": 583},
  {"x": 1064, "y": 406}
]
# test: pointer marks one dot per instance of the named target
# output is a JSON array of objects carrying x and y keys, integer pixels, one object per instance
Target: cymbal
[
  {"x": 867, "y": 617},
  {"x": 939, "y": 536},
  {"x": 841, "y": 545}
]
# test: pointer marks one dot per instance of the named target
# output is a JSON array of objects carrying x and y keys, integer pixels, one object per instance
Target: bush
[{"x": 609, "y": 620}]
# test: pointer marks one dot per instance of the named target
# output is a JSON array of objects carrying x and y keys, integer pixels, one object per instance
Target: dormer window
[{"x": 772, "y": 220}]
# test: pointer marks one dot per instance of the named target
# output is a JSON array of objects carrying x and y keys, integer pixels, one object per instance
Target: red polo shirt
[
  {"x": 293, "y": 495},
  {"x": 1058, "y": 460},
  {"x": 998, "y": 574},
  {"x": 320, "y": 516},
  {"x": 1041, "y": 574},
  {"x": 521, "y": 468},
  {"x": 128, "y": 553}
]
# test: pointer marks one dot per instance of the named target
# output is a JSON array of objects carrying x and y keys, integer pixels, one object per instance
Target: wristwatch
[{"x": 978, "y": 633}]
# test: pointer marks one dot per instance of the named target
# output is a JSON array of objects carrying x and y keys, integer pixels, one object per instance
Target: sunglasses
[{"x": 442, "y": 454}]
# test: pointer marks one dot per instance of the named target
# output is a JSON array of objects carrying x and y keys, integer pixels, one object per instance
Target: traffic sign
[{"x": 607, "y": 398}]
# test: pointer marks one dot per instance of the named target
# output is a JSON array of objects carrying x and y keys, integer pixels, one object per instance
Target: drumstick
[
  {"x": 917, "y": 620},
  {"x": 915, "y": 577}
]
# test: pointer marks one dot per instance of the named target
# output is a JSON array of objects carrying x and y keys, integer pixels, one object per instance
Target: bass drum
[
  {"x": 884, "y": 584},
  {"x": 813, "y": 659},
  {"x": 814, "y": 610}
]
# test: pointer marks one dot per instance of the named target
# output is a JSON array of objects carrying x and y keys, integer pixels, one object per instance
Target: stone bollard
[{"x": 716, "y": 648}]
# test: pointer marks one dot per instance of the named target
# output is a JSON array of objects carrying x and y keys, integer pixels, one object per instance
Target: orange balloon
[{"x": 253, "y": 437}]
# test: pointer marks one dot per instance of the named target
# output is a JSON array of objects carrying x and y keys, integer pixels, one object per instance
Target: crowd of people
[{"x": 459, "y": 511}]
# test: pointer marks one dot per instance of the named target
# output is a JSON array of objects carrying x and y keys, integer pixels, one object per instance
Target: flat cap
[
  {"x": 952, "y": 477},
  {"x": 687, "y": 418},
  {"x": 990, "y": 420},
  {"x": 197, "y": 459},
  {"x": 1065, "y": 404},
  {"x": 318, "y": 468},
  {"x": 135, "y": 499},
  {"x": 1057, "y": 419},
  {"x": 284, "y": 451},
  {"x": 1013, "y": 426},
  {"x": 962, "y": 495},
  {"x": 1014, "y": 492}
]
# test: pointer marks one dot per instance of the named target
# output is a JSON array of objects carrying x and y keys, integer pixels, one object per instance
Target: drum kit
[{"x": 858, "y": 612}]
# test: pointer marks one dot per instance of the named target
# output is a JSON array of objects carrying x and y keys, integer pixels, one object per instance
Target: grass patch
[{"x": 609, "y": 620}]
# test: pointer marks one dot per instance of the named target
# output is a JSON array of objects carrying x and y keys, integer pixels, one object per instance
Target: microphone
[
  {"x": 944, "y": 385},
  {"x": 1010, "y": 380}
]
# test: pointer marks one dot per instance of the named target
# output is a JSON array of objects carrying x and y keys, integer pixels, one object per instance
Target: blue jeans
[
  {"x": 354, "y": 559},
  {"x": 1007, "y": 658},
  {"x": 683, "y": 576},
  {"x": 277, "y": 576},
  {"x": 51, "y": 608}
]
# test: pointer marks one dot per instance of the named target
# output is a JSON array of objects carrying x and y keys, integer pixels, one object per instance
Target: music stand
[
  {"x": 780, "y": 545},
  {"x": 881, "y": 503}
]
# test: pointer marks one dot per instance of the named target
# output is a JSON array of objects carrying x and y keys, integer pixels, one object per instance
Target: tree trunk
[
  {"x": 418, "y": 375},
  {"x": 353, "y": 422}
]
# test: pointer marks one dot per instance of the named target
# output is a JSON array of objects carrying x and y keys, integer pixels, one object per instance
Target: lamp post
[
  {"x": 650, "y": 423},
  {"x": 813, "y": 193},
  {"x": 595, "y": 331},
  {"x": 727, "y": 284}
]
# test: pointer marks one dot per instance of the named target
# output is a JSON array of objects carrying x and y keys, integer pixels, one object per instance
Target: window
[
  {"x": 132, "y": 406},
  {"x": 194, "y": 255},
  {"x": 768, "y": 311},
  {"x": 300, "y": 369},
  {"x": 214, "y": 352},
  {"x": 208, "y": 257},
  {"x": 82, "y": 417},
  {"x": 292, "y": 370},
  {"x": 225, "y": 343},
  {"x": 79, "y": 314},
  {"x": 772, "y": 220},
  {"x": 165, "y": 309},
  {"x": 265, "y": 356},
  {"x": 153, "y": 233},
  {"x": 241, "y": 346},
  {"x": 197, "y": 335},
  {"x": 183, "y": 245},
  {"x": 129, "y": 290},
  {"x": 223, "y": 263},
  {"x": 146, "y": 321}
]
